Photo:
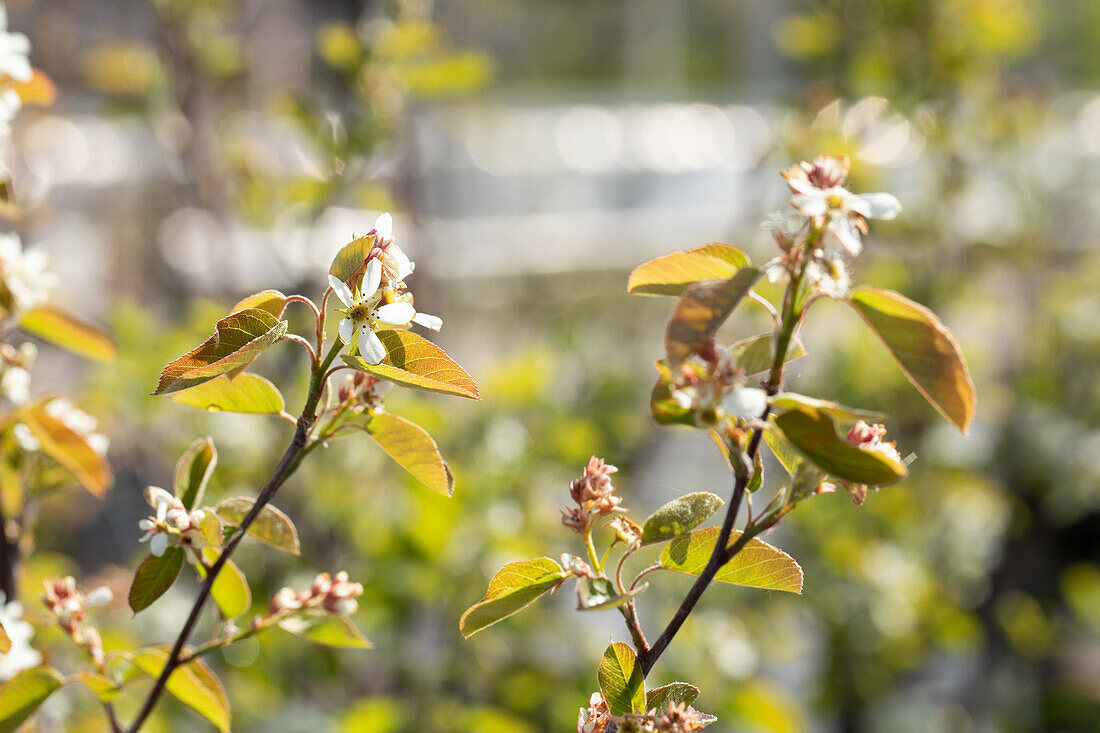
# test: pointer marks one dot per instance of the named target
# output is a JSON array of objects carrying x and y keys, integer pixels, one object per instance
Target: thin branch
[
  {"x": 308, "y": 346},
  {"x": 306, "y": 301}
]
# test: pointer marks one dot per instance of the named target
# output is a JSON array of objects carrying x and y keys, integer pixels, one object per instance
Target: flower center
[
  {"x": 836, "y": 201},
  {"x": 358, "y": 312}
]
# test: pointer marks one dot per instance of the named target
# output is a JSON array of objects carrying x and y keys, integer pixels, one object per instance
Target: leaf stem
[{"x": 287, "y": 464}]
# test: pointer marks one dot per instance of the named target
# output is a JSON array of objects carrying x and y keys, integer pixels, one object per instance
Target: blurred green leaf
[
  {"x": 22, "y": 695},
  {"x": 271, "y": 526},
  {"x": 238, "y": 339},
  {"x": 621, "y": 681},
  {"x": 665, "y": 410},
  {"x": 756, "y": 353},
  {"x": 194, "y": 684},
  {"x": 69, "y": 332},
  {"x": 105, "y": 689},
  {"x": 670, "y": 274},
  {"x": 925, "y": 349},
  {"x": 675, "y": 693},
  {"x": 781, "y": 448},
  {"x": 193, "y": 471},
  {"x": 791, "y": 400},
  {"x": 66, "y": 446},
  {"x": 679, "y": 515},
  {"x": 757, "y": 565},
  {"x": 153, "y": 577},
  {"x": 5, "y": 640},
  {"x": 514, "y": 587},
  {"x": 327, "y": 629},
  {"x": 813, "y": 432},
  {"x": 245, "y": 392},
  {"x": 598, "y": 594},
  {"x": 230, "y": 590},
  {"x": 413, "y": 361},
  {"x": 703, "y": 307}
]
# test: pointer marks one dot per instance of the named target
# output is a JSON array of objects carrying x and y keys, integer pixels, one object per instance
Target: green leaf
[
  {"x": 813, "y": 432},
  {"x": 675, "y": 693},
  {"x": 194, "y": 684},
  {"x": 24, "y": 693},
  {"x": 670, "y": 274},
  {"x": 790, "y": 400},
  {"x": 704, "y": 307},
  {"x": 67, "y": 447},
  {"x": 598, "y": 594},
  {"x": 924, "y": 348},
  {"x": 678, "y": 516},
  {"x": 271, "y": 301},
  {"x": 249, "y": 393},
  {"x": 238, "y": 339},
  {"x": 665, "y": 410},
  {"x": 781, "y": 448},
  {"x": 327, "y": 629},
  {"x": 271, "y": 527},
  {"x": 69, "y": 332},
  {"x": 351, "y": 257},
  {"x": 5, "y": 640},
  {"x": 515, "y": 587},
  {"x": 756, "y": 353},
  {"x": 193, "y": 471},
  {"x": 230, "y": 590},
  {"x": 153, "y": 577},
  {"x": 103, "y": 688},
  {"x": 413, "y": 361},
  {"x": 621, "y": 681},
  {"x": 413, "y": 449},
  {"x": 757, "y": 565}
]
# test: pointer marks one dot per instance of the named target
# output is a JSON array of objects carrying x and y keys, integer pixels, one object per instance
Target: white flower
[
  {"x": 14, "y": 49},
  {"x": 167, "y": 510},
  {"x": 842, "y": 212},
  {"x": 15, "y": 384},
  {"x": 10, "y": 104},
  {"x": 395, "y": 262},
  {"x": 830, "y": 276},
  {"x": 25, "y": 438},
  {"x": 745, "y": 402},
  {"x": 22, "y": 655},
  {"x": 25, "y": 273}
]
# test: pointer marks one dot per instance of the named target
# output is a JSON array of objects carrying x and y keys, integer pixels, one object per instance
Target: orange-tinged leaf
[
  {"x": 351, "y": 257},
  {"x": 194, "y": 684},
  {"x": 193, "y": 471},
  {"x": 245, "y": 393},
  {"x": 271, "y": 301},
  {"x": 238, "y": 339},
  {"x": 702, "y": 309},
  {"x": 5, "y": 640},
  {"x": 272, "y": 526},
  {"x": 69, "y": 332},
  {"x": 757, "y": 565},
  {"x": 670, "y": 274},
  {"x": 413, "y": 361},
  {"x": 621, "y": 680},
  {"x": 39, "y": 90},
  {"x": 67, "y": 447},
  {"x": 814, "y": 434},
  {"x": 515, "y": 587},
  {"x": 413, "y": 449},
  {"x": 924, "y": 348}
]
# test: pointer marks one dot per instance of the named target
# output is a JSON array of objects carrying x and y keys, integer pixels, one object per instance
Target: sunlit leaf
[
  {"x": 5, "y": 640},
  {"x": 598, "y": 594},
  {"x": 153, "y": 577},
  {"x": 271, "y": 301},
  {"x": 413, "y": 449},
  {"x": 790, "y": 400},
  {"x": 757, "y": 565},
  {"x": 670, "y": 274},
  {"x": 327, "y": 629},
  {"x": 351, "y": 257},
  {"x": 781, "y": 448},
  {"x": 413, "y": 361},
  {"x": 271, "y": 527},
  {"x": 515, "y": 587},
  {"x": 665, "y": 410},
  {"x": 194, "y": 684},
  {"x": 621, "y": 680},
  {"x": 675, "y": 693},
  {"x": 67, "y": 447},
  {"x": 756, "y": 353},
  {"x": 193, "y": 471},
  {"x": 105, "y": 689},
  {"x": 24, "y": 693},
  {"x": 458, "y": 73},
  {"x": 230, "y": 590},
  {"x": 679, "y": 515},
  {"x": 813, "y": 432},
  {"x": 925, "y": 349},
  {"x": 249, "y": 393},
  {"x": 69, "y": 332},
  {"x": 704, "y": 307},
  {"x": 238, "y": 339}
]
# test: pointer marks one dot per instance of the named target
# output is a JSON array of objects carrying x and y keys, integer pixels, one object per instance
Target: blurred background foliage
[{"x": 533, "y": 151}]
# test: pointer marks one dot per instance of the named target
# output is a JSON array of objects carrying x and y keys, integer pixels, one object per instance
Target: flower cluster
[
  {"x": 22, "y": 656},
  {"x": 334, "y": 594},
  {"x": 594, "y": 495},
  {"x": 676, "y": 718},
  {"x": 15, "y": 67},
  {"x": 70, "y": 606},
  {"x": 362, "y": 392},
  {"x": 25, "y": 278},
  {"x": 718, "y": 392},
  {"x": 383, "y": 299},
  {"x": 869, "y": 438},
  {"x": 15, "y": 377},
  {"x": 172, "y": 523}
]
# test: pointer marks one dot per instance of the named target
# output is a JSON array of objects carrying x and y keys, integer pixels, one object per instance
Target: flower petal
[
  {"x": 341, "y": 289},
  {"x": 428, "y": 321},
  {"x": 809, "y": 205},
  {"x": 383, "y": 225},
  {"x": 158, "y": 544},
  {"x": 847, "y": 235},
  {"x": 372, "y": 278},
  {"x": 404, "y": 264},
  {"x": 371, "y": 347},
  {"x": 746, "y": 402},
  {"x": 347, "y": 330},
  {"x": 396, "y": 314},
  {"x": 881, "y": 205}
]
